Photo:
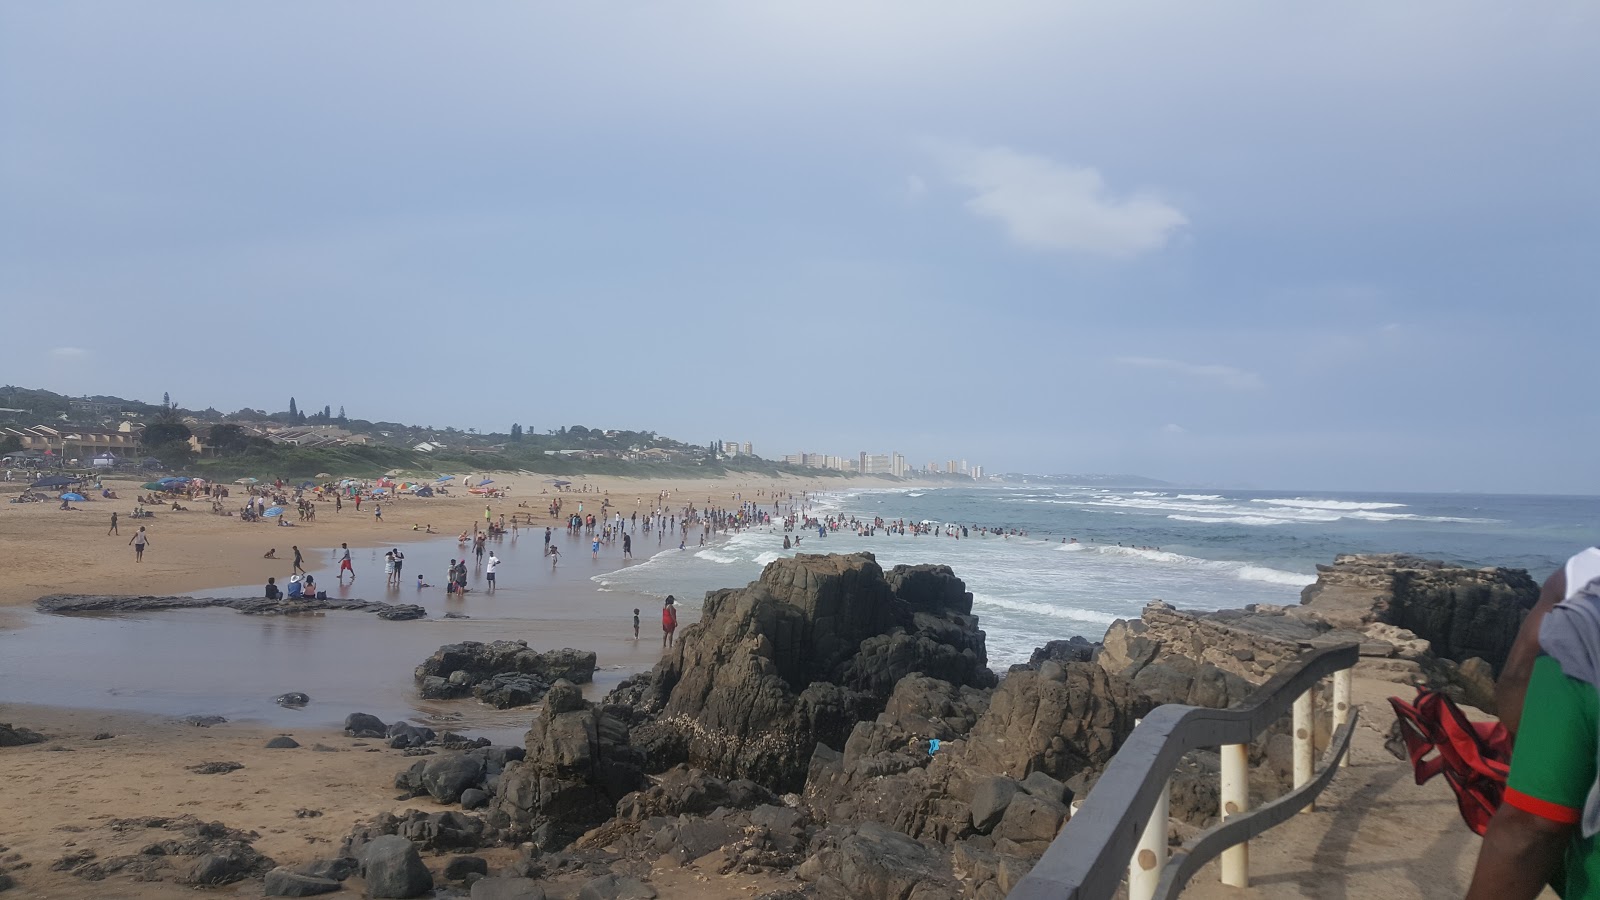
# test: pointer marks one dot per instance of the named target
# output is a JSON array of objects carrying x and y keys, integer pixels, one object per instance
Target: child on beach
[
  {"x": 420, "y": 584},
  {"x": 555, "y": 555},
  {"x": 636, "y": 623}
]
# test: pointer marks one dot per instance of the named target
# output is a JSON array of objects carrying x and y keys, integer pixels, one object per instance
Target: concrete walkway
[{"x": 1375, "y": 834}]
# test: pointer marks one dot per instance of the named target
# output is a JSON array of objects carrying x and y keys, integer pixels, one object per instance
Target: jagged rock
[
  {"x": 1074, "y": 649},
  {"x": 1030, "y": 820},
  {"x": 225, "y": 865},
  {"x": 990, "y": 797},
  {"x": 16, "y": 737},
  {"x": 875, "y": 863},
  {"x": 683, "y": 790},
  {"x": 293, "y": 698},
  {"x": 282, "y": 742},
  {"x": 403, "y": 613},
  {"x": 1041, "y": 785},
  {"x": 392, "y": 867},
  {"x": 502, "y": 888},
  {"x": 1462, "y": 612},
  {"x": 286, "y": 882},
  {"x": 362, "y": 725},
  {"x": 579, "y": 763},
  {"x": 1059, "y": 720},
  {"x": 446, "y": 777},
  {"x": 688, "y": 840},
  {"x": 797, "y": 658},
  {"x": 200, "y": 721},
  {"x": 403, "y": 734}
]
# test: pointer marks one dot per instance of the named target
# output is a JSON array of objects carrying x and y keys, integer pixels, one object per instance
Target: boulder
[
  {"x": 392, "y": 867},
  {"x": 445, "y": 777},
  {"x": 337, "y": 869},
  {"x": 1031, "y": 820},
  {"x": 291, "y": 699},
  {"x": 282, "y": 742},
  {"x": 503, "y": 674},
  {"x": 458, "y": 868},
  {"x": 990, "y": 797},
  {"x": 472, "y": 798},
  {"x": 404, "y": 734},
  {"x": 879, "y": 864},
  {"x": 286, "y": 882},
  {"x": 686, "y": 791},
  {"x": 362, "y": 725}
]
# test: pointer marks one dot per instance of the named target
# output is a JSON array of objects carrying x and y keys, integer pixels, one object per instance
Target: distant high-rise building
[
  {"x": 963, "y": 469},
  {"x": 861, "y": 463},
  {"x": 876, "y": 464},
  {"x": 730, "y": 448},
  {"x": 748, "y": 450},
  {"x": 792, "y": 459},
  {"x": 976, "y": 472},
  {"x": 950, "y": 467},
  {"x": 897, "y": 465}
]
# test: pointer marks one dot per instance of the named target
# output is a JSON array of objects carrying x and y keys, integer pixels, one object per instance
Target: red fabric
[
  {"x": 669, "y": 618},
  {"x": 1544, "y": 809},
  {"x": 1474, "y": 757}
]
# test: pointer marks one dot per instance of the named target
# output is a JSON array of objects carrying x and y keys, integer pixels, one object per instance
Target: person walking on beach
[
  {"x": 669, "y": 621},
  {"x": 114, "y": 526},
  {"x": 636, "y": 623},
  {"x": 555, "y": 555},
  {"x": 299, "y": 563},
  {"x": 139, "y": 542},
  {"x": 377, "y": 512},
  {"x": 345, "y": 566},
  {"x": 388, "y": 568},
  {"x": 627, "y": 546},
  {"x": 399, "y": 565},
  {"x": 338, "y": 503},
  {"x": 488, "y": 569},
  {"x": 594, "y": 549}
]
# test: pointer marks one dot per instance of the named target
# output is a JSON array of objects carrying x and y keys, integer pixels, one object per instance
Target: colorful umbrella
[
  {"x": 78, "y": 498},
  {"x": 273, "y": 511},
  {"x": 247, "y": 481}
]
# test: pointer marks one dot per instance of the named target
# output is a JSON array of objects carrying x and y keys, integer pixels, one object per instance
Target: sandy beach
[{"x": 362, "y": 664}]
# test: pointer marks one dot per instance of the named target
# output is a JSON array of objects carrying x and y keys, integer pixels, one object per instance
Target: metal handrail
[
  {"x": 1086, "y": 860},
  {"x": 1209, "y": 844}
]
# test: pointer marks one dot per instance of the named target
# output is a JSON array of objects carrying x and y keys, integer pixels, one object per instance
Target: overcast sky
[{"x": 1332, "y": 246}]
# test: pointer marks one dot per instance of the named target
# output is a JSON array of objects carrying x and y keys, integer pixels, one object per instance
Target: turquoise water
[{"x": 1202, "y": 549}]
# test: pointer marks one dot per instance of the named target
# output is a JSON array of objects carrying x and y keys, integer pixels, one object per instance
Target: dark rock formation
[
  {"x": 449, "y": 778},
  {"x": 579, "y": 763},
  {"x": 504, "y": 888},
  {"x": 683, "y": 790},
  {"x": 503, "y": 674},
  {"x": 292, "y": 699},
  {"x": 1463, "y": 612},
  {"x": 1073, "y": 649},
  {"x": 1058, "y": 720},
  {"x": 797, "y": 658},
  {"x": 875, "y": 863},
  {"x": 11, "y": 736},
  {"x": 282, "y": 742},
  {"x": 362, "y": 725},
  {"x": 392, "y": 867},
  {"x": 188, "y": 851},
  {"x": 253, "y": 606}
]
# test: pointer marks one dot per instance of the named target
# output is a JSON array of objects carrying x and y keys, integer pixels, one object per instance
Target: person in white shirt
[{"x": 489, "y": 567}]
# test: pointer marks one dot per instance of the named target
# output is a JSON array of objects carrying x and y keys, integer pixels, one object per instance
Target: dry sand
[{"x": 69, "y": 793}]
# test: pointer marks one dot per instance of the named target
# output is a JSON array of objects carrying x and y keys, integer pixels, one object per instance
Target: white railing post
[
  {"x": 1303, "y": 731},
  {"x": 1341, "y": 705},
  {"x": 1144, "y": 870},
  {"x": 1236, "y": 801}
]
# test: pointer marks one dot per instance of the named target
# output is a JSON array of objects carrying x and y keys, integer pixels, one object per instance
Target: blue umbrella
[
  {"x": 486, "y": 481},
  {"x": 72, "y": 496},
  {"x": 170, "y": 480},
  {"x": 445, "y": 478},
  {"x": 381, "y": 491},
  {"x": 273, "y": 511},
  {"x": 307, "y": 484}
]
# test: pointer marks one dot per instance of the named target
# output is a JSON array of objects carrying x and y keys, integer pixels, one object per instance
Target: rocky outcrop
[
  {"x": 11, "y": 736},
  {"x": 1059, "y": 720},
  {"x": 448, "y": 778},
  {"x": 253, "y": 606},
  {"x": 1463, "y": 612},
  {"x": 184, "y": 850},
  {"x": 579, "y": 763},
  {"x": 797, "y": 658},
  {"x": 503, "y": 674}
]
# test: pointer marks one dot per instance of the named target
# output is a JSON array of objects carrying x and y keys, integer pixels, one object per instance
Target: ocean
[{"x": 1196, "y": 549}]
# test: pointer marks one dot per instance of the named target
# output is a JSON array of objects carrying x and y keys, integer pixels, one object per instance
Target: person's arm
[
  {"x": 1521, "y": 852},
  {"x": 1512, "y": 686}
]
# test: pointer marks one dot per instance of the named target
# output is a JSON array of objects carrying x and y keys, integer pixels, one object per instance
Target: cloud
[
  {"x": 1227, "y": 376},
  {"x": 1054, "y": 206},
  {"x": 69, "y": 352},
  {"x": 1173, "y": 428}
]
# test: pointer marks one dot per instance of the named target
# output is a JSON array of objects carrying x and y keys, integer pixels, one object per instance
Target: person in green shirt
[{"x": 1547, "y": 829}]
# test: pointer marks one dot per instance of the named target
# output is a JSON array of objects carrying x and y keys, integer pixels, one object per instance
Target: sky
[{"x": 1341, "y": 246}]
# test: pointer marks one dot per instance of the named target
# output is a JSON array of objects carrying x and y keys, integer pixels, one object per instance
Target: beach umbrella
[
  {"x": 445, "y": 478},
  {"x": 76, "y": 498},
  {"x": 170, "y": 479},
  {"x": 273, "y": 511},
  {"x": 54, "y": 481},
  {"x": 247, "y": 481},
  {"x": 153, "y": 486},
  {"x": 322, "y": 475},
  {"x": 307, "y": 484},
  {"x": 381, "y": 491},
  {"x": 486, "y": 481}
]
